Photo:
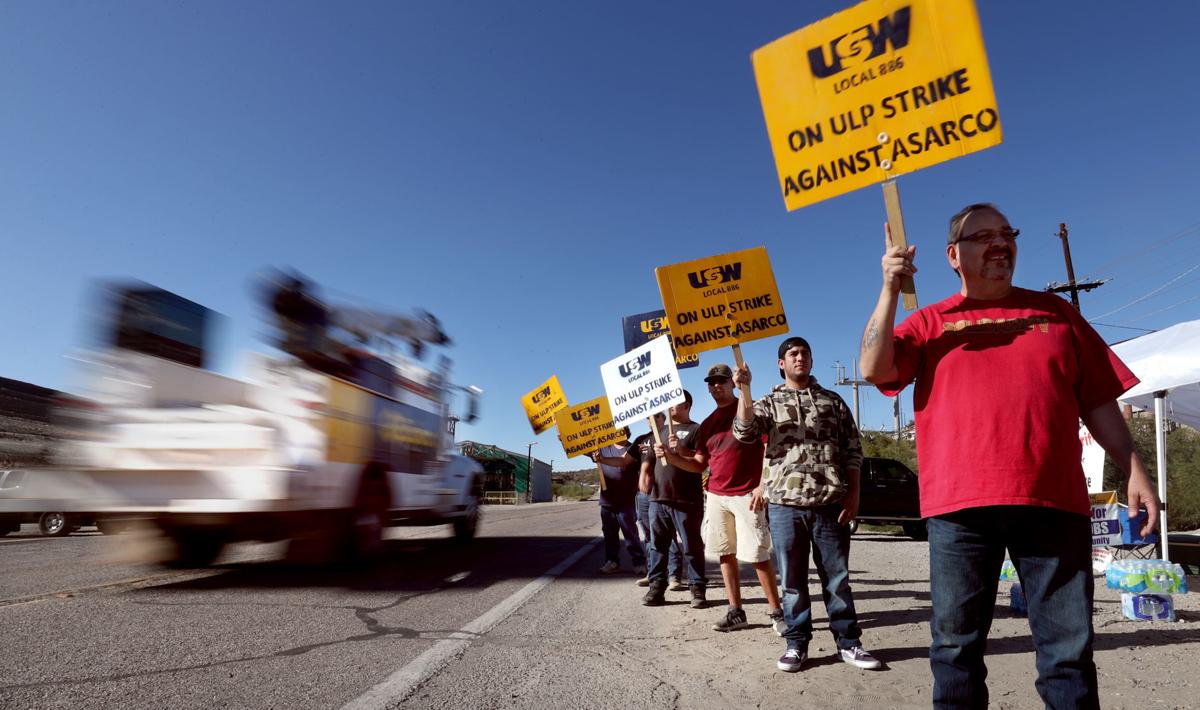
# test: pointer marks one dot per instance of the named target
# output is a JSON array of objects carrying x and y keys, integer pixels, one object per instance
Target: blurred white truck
[{"x": 324, "y": 444}]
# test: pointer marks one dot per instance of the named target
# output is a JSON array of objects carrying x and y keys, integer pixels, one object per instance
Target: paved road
[
  {"x": 88, "y": 626},
  {"x": 519, "y": 619}
]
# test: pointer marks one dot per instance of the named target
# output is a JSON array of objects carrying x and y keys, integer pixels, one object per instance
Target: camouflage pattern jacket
[{"x": 812, "y": 442}]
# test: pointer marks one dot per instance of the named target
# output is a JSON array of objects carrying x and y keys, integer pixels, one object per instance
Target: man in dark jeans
[
  {"x": 676, "y": 507},
  {"x": 1002, "y": 377},
  {"x": 813, "y": 456},
  {"x": 632, "y": 460},
  {"x": 617, "y": 512}
]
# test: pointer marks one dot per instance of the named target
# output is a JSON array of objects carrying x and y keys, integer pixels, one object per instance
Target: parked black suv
[{"x": 889, "y": 496}]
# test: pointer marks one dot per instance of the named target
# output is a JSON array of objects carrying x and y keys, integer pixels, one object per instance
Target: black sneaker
[
  {"x": 698, "y": 599},
  {"x": 792, "y": 660},
  {"x": 655, "y": 597},
  {"x": 734, "y": 619}
]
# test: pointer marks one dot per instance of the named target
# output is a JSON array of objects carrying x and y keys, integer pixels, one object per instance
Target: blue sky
[{"x": 520, "y": 168}]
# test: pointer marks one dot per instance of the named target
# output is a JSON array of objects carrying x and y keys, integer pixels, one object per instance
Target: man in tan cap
[{"x": 735, "y": 513}]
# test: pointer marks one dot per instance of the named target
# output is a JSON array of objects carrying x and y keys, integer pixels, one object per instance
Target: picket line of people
[
  {"x": 782, "y": 487},
  {"x": 1002, "y": 377}
]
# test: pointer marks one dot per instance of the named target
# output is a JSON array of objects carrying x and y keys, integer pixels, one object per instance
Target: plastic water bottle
[{"x": 1155, "y": 576}]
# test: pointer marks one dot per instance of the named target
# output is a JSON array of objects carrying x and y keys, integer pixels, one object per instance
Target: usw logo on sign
[
  {"x": 860, "y": 45},
  {"x": 653, "y": 325},
  {"x": 637, "y": 364},
  {"x": 585, "y": 413},
  {"x": 541, "y": 395},
  {"x": 715, "y": 275}
]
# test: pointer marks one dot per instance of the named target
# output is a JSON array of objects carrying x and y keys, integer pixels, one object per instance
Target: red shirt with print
[
  {"x": 1000, "y": 388},
  {"x": 734, "y": 468}
]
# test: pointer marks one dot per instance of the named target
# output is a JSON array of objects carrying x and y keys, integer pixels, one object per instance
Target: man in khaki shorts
[{"x": 735, "y": 521}]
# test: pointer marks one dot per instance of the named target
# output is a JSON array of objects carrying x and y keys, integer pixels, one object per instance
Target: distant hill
[{"x": 26, "y": 428}]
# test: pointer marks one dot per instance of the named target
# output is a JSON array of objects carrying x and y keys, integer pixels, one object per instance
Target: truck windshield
[{"x": 157, "y": 322}]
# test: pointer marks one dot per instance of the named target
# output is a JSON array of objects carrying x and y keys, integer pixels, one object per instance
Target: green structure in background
[{"x": 507, "y": 475}]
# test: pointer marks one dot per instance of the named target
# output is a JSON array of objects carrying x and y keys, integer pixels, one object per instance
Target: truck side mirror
[{"x": 473, "y": 393}]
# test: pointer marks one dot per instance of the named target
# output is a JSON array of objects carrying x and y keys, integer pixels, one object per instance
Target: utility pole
[
  {"x": 855, "y": 383},
  {"x": 896, "y": 414},
  {"x": 529, "y": 472},
  {"x": 1071, "y": 285}
]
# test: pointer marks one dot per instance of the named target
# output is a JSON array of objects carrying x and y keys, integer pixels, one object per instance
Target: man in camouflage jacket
[{"x": 810, "y": 488}]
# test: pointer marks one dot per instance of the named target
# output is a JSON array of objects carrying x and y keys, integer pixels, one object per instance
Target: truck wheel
[
  {"x": 194, "y": 548},
  {"x": 54, "y": 524},
  {"x": 916, "y": 530},
  {"x": 466, "y": 526},
  {"x": 364, "y": 531}
]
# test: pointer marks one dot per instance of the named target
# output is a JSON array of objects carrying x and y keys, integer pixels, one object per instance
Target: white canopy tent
[{"x": 1168, "y": 365}]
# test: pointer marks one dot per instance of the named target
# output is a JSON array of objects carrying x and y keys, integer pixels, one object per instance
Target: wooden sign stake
[
  {"x": 738, "y": 361},
  {"x": 895, "y": 218},
  {"x": 657, "y": 438}
]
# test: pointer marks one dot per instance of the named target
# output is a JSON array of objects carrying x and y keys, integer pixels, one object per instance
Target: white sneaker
[
  {"x": 858, "y": 656},
  {"x": 609, "y": 567}
]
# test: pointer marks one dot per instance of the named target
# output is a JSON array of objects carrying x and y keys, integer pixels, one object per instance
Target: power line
[
  {"x": 1151, "y": 293},
  {"x": 1125, "y": 260},
  {"x": 1126, "y": 327},
  {"x": 1166, "y": 308}
]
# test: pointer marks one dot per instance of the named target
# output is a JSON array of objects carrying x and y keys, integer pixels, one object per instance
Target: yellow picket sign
[
  {"x": 721, "y": 300},
  {"x": 541, "y": 404},
  {"x": 586, "y": 427},
  {"x": 881, "y": 89}
]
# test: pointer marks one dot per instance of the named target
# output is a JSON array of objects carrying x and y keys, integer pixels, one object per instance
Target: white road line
[{"x": 400, "y": 684}]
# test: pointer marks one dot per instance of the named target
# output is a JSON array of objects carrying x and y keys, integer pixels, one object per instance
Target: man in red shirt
[
  {"x": 1002, "y": 377},
  {"x": 735, "y": 520}
]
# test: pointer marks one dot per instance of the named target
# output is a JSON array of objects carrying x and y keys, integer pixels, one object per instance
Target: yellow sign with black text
[
  {"x": 883, "y": 88},
  {"x": 587, "y": 427},
  {"x": 721, "y": 300},
  {"x": 541, "y": 404}
]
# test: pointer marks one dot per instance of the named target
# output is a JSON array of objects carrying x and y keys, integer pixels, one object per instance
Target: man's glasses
[
  {"x": 984, "y": 236},
  {"x": 717, "y": 381}
]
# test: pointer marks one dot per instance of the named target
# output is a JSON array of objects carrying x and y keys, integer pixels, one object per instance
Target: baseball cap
[{"x": 719, "y": 370}]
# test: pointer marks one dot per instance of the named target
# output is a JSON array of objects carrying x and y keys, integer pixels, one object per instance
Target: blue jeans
[
  {"x": 794, "y": 532},
  {"x": 666, "y": 521},
  {"x": 614, "y": 521},
  {"x": 675, "y": 557},
  {"x": 1051, "y": 550}
]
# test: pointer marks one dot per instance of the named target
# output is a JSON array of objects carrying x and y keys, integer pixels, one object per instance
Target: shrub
[{"x": 1183, "y": 470}]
